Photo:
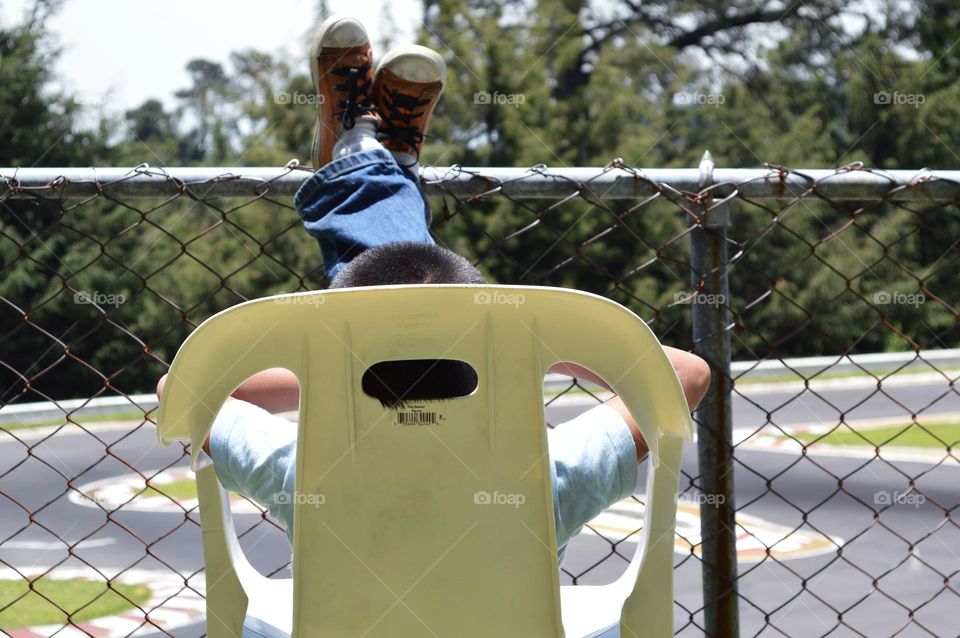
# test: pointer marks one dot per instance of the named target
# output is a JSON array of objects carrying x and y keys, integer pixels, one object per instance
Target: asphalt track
[{"x": 890, "y": 566}]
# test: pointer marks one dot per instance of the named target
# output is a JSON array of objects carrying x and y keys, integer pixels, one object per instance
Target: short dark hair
[
  {"x": 407, "y": 262},
  {"x": 412, "y": 263}
]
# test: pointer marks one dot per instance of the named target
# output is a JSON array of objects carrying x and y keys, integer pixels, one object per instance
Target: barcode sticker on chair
[{"x": 418, "y": 418}]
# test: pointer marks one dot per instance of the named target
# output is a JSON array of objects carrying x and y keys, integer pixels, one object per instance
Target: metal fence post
[{"x": 711, "y": 336}]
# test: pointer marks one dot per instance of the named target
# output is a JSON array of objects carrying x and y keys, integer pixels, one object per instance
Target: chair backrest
[{"x": 436, "y": 518}]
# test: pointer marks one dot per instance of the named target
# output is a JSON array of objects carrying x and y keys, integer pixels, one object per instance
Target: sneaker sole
[{"x": 355, "y": 37}]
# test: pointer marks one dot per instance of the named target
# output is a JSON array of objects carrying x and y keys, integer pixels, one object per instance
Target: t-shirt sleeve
[
  {"x": 594, "y": 459},
  {"x": 254, "y": 454}
]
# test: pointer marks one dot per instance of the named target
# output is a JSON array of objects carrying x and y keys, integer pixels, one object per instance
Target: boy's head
[
  {"x": 407, "y": 263},
  {"x": 412, "y": 263}
]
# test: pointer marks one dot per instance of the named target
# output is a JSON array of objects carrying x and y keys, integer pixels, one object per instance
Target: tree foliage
[{"x": 555, "y": 82}]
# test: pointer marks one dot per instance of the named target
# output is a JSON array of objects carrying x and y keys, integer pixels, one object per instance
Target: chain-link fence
[{"x": 819, "y": 498}]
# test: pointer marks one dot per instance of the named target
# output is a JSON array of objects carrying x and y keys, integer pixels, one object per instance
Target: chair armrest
[
  {"x": 234, "y": 588},
  {"x": 648, "y": 609}
]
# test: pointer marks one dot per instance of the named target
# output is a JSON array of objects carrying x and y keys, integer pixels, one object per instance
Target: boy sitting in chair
[{"x": 369, "y": 215}]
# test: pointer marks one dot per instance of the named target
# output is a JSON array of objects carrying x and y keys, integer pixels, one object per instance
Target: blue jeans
[{"x": 361, "y": 201}]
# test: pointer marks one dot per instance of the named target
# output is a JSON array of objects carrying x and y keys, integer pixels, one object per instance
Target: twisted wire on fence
[{"x": 841, "y": 471}]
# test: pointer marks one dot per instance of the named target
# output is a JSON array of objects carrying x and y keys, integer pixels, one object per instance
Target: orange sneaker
[
  {"x": 406, "y": 88},
  {"x": 342, "y": 70}
]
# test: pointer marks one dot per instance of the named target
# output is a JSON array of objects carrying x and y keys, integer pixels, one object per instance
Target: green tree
[
  {"x": 555, "y": 83},
  {"x": 36, "y": 128}
]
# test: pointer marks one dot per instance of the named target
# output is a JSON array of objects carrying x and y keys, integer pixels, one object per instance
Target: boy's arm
[
  {"x": 274, "y": 390},
  {"x": 693, "y": 372},
  {"x": 277, "y": 389}
]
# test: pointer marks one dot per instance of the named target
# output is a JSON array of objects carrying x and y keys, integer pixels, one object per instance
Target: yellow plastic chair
[{"x": 410, "y": 525}]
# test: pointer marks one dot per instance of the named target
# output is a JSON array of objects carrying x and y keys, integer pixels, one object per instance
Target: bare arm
[
  {"x": 277, "y": 389},
  {"x": 274, "y": 390},
  {"x": 693, "y": 372}
]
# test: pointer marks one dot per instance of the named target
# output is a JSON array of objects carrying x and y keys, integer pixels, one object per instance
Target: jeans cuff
[{"x": 339, "y": 167}]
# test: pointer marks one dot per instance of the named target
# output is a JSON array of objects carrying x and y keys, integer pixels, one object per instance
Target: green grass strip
[
  {"x": 93, "y": 597},
  {"x": 939, "y": 435},
  {"x": 183, "y": 490}
]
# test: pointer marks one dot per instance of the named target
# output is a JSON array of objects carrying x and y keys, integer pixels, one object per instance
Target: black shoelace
[
  {"x": 357, "y": 89},
  {"x": 401, "y": 111}
]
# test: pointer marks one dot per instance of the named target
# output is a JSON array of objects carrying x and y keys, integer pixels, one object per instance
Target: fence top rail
[{"x": 614, "y": 181}]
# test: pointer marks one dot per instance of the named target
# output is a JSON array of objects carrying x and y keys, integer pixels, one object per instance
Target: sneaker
[
  {"x": 342, "y": 70},
  {"x": 406, "y": 88}
]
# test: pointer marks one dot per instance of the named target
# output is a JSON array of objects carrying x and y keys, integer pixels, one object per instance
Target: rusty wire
[{"x": 635, "y": 251}]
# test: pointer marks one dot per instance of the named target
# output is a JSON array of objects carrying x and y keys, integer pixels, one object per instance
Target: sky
[{"x": 117, "y": 53}]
